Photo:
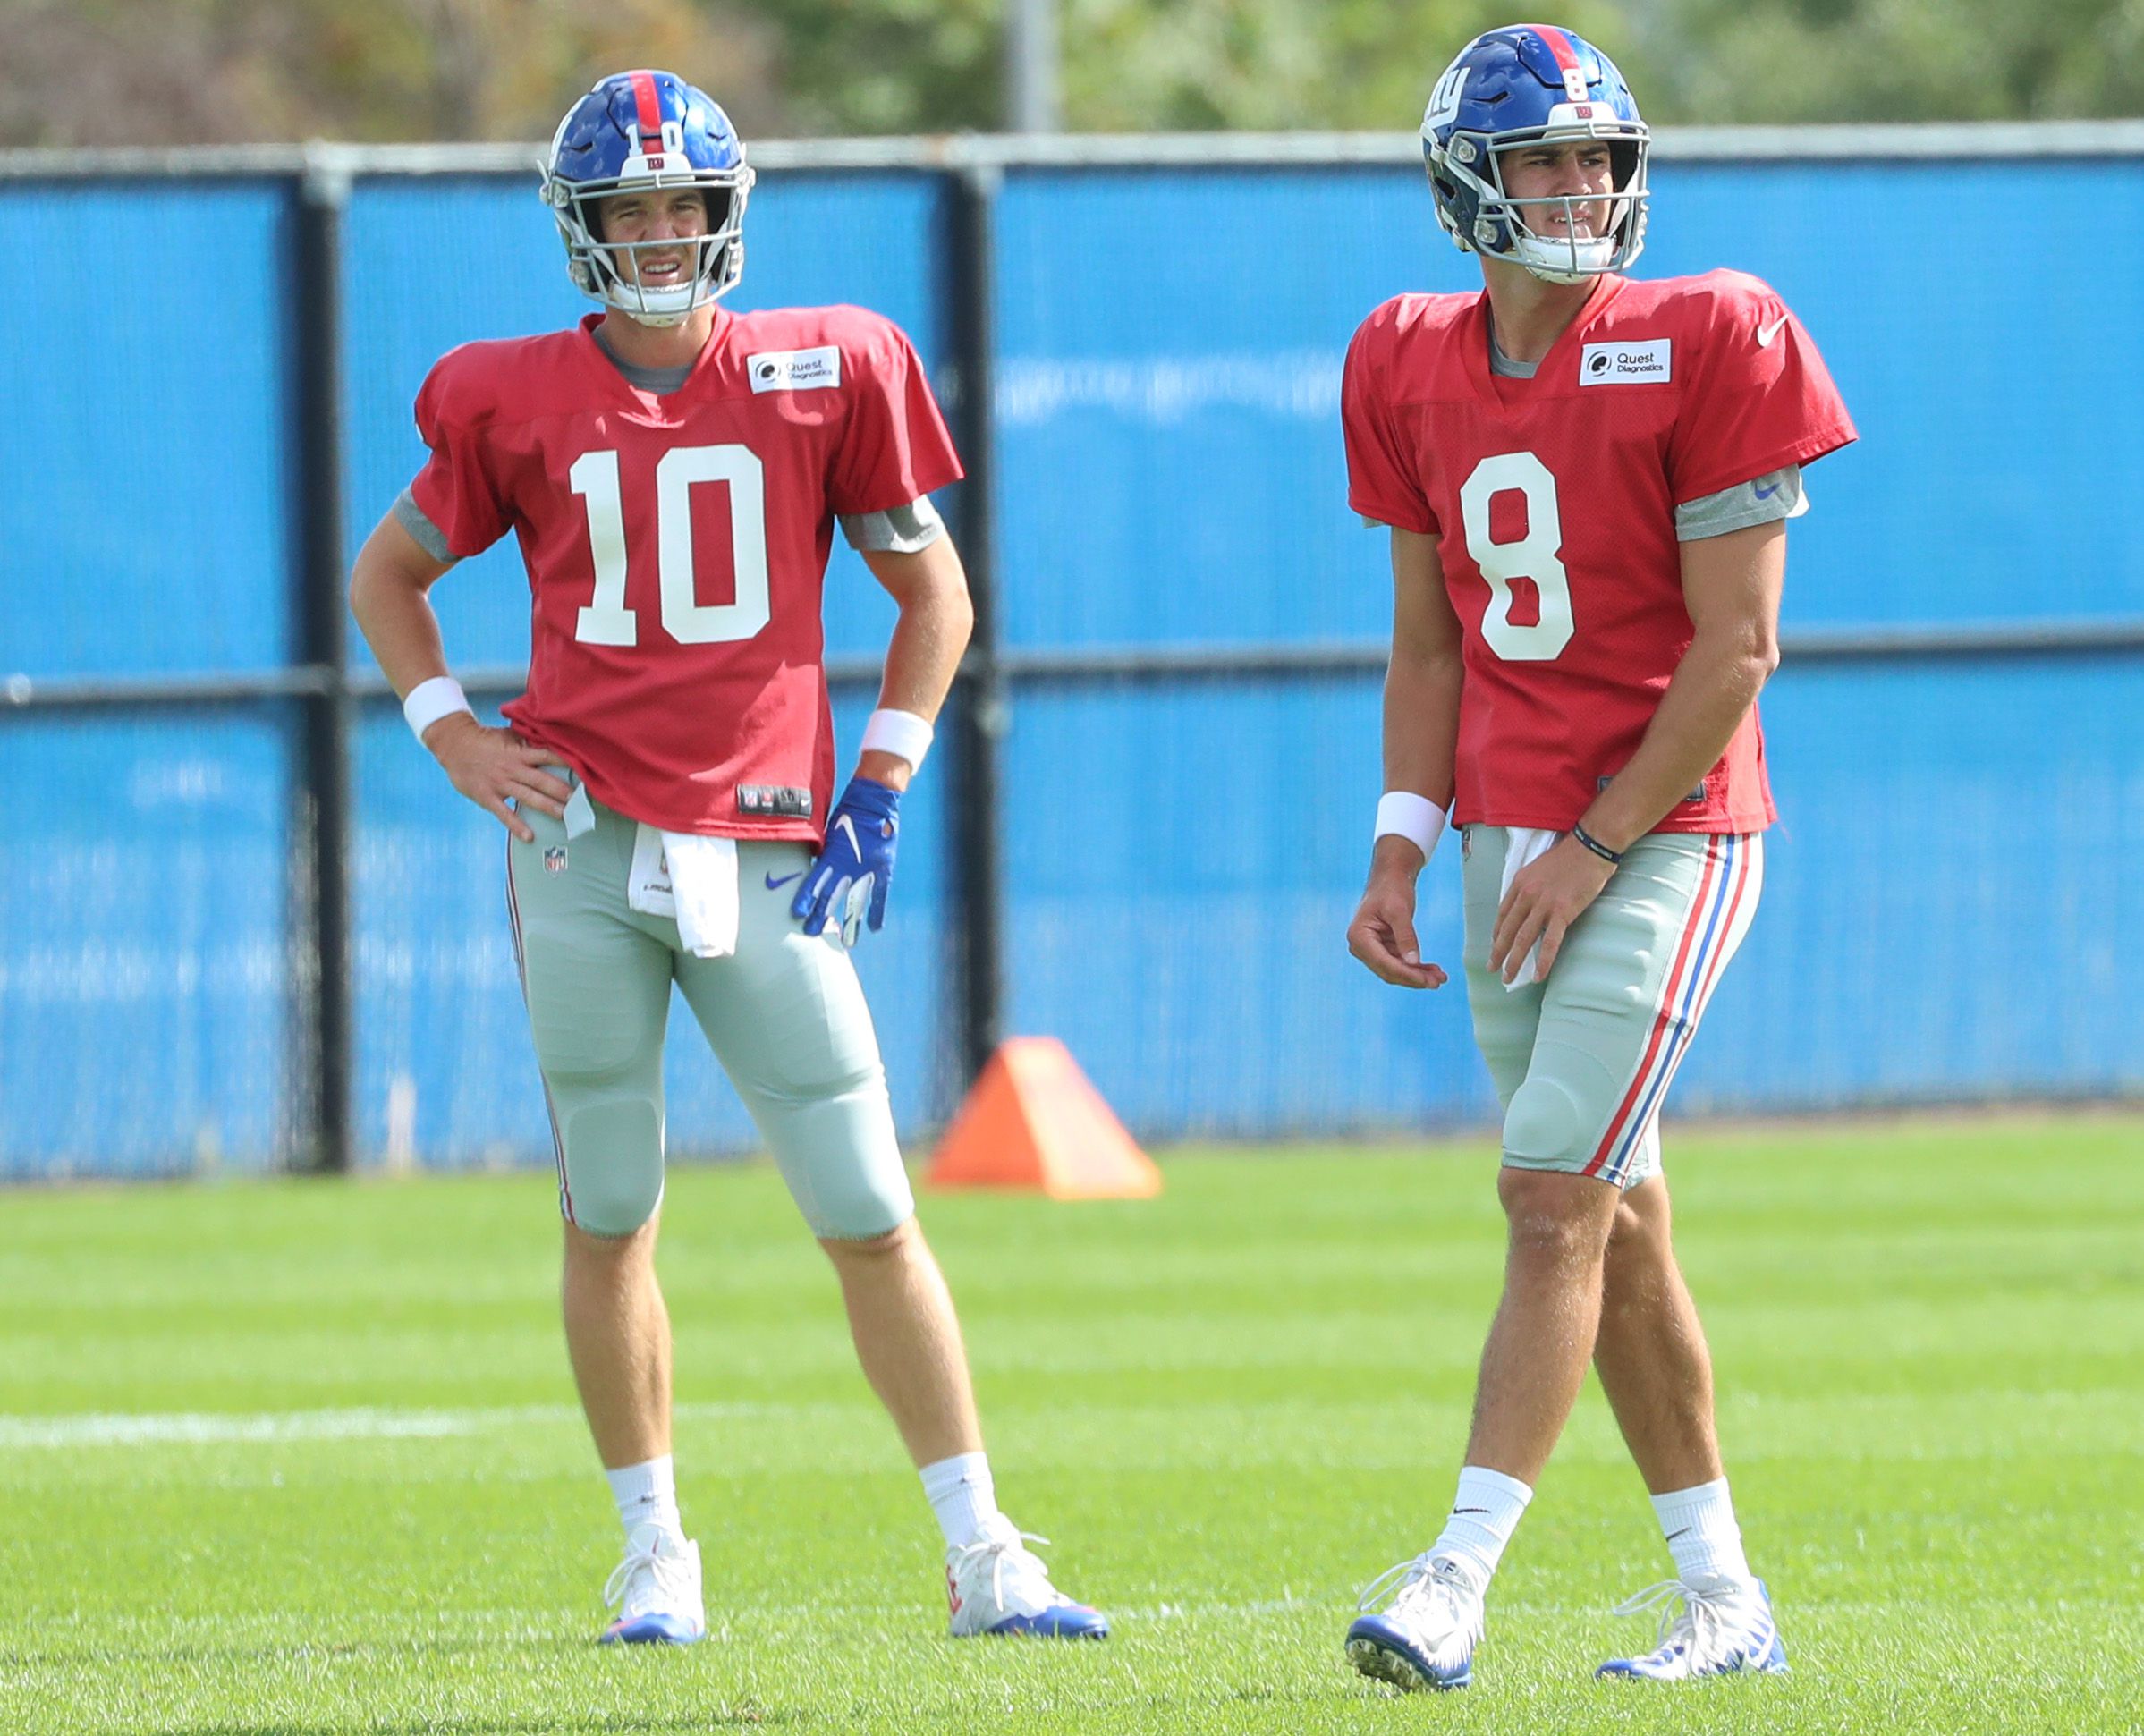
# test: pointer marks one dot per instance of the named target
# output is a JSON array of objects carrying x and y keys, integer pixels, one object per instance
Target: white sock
[
  {"x": 1485, "y": 1513},
  {"x": 960, "y": 1496},
  {"x": 1702, "y": 1536},
  {"x": 647, "y": 1494}
]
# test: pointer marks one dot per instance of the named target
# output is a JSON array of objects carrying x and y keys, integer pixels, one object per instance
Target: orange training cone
[{"x": 1033, "y": 1120}]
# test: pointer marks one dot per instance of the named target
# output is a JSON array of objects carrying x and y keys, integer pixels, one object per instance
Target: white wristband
[
  {"x": 900, "y": 733},
  {"x": 1402, "y": 814},
  {"x": 429, "y": 701}
]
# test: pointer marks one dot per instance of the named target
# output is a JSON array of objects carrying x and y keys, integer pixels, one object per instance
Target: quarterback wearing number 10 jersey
[
  {"x": 673, "y": 472},
  {"x": 1552, "y": 503},
  {"x": 677, "y": 545}
]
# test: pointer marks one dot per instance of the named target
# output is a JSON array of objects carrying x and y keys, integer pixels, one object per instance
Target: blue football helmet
[
  {"x": 636, "y": 131},
  {"x": 1523, "y": 85}
]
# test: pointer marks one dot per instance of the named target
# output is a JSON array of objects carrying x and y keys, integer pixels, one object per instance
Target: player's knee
[
  {"x": 1640, "y": 1228},
  {"x": 1544, "y": 1128},
  {"x": 614, "y": 1156},
  {"x": 1558, "y": 1221},
  {"x": 888, "y": 1244}
]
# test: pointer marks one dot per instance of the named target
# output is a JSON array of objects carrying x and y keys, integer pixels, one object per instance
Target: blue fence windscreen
[
  {"x": 145, "y": 981},
  {"x": 1947, "y": 912},
  {"x": 145, "y": 524}
]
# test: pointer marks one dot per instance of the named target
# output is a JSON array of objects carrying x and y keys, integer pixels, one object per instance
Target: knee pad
[
  {"x": 840, "y": 1158},
  {"x": 1544, "y": 1128},
  {"x": 613, "y": 1162}
]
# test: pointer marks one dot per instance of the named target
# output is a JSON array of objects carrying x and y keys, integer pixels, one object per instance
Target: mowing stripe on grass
[{"x": 111, "y": 1428}]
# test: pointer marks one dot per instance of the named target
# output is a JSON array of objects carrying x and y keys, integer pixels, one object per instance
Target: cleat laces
[
  {"x": 1696, "y": 1632},
  {"x": 646, "y": 1567},
  {"x": 1432, "y": 1593},
  {"x": 1010, "y": 1559}
]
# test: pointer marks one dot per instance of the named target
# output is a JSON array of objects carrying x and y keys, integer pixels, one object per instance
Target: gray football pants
[
  {"x": 1582, "y": 1061},
  {"x": 784, "y": 1015}
]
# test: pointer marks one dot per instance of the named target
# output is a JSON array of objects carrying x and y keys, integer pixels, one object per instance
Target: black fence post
[
  {"x": 321, "y": 822},
  {"x": 980, "y": 701}
]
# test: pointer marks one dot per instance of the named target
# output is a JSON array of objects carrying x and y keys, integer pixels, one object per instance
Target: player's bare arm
[
  {"x": 390, "y": 590},
  {"x": 1731, "y": 586},
  {"x": 930, "y": 586},
  {"x": 848, "y": 885},
  {"x": 1421, "y": 730}
]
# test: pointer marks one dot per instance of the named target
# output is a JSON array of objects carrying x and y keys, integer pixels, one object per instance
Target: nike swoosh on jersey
[
  {"x": 774, "y": 885},
  {"x": 1766, "y": 334}
]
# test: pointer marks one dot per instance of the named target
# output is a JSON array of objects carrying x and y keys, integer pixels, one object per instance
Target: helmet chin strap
[
  {"x": 1554, "y": 264},
  {"x": 659, "y": 321},
  {"x": 1569, "y": 258},
  {"x": 630, "y": 297}
]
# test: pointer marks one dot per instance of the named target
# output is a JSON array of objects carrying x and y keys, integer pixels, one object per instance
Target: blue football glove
[{"x": 856, "y": 867}]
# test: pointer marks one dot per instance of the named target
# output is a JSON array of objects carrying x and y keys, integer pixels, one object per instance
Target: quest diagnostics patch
[
  {"x": 1642, "y": 362},
  {"x": 795, "y": 371}
]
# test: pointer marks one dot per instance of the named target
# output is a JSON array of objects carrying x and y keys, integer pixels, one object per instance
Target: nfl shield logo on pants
[{"x": 555, "y": 860}]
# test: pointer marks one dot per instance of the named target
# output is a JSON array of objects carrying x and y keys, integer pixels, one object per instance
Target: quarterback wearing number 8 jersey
[
  {"x": 674, "y": 473},
  {"x": 1587, "y": 481}
]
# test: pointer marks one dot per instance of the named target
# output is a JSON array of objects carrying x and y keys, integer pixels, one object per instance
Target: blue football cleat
[
  {"x": 656, "y": 1591},
  {"x": 1425, "y": 1636},
  {"x": 998, "y": 1585},
  {"x": 1717, "y": 1632}
]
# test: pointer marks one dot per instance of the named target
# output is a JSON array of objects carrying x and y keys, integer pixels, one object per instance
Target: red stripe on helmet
[
  {"x": 650, "y": 106},
  {"x": 1559, "y": 46}
]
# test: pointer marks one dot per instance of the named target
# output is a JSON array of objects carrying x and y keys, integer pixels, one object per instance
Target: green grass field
[{"x": 304, "y": 1457}]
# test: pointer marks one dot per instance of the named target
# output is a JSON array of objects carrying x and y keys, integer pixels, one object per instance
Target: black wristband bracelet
[{"x": 1611, "y": 857}]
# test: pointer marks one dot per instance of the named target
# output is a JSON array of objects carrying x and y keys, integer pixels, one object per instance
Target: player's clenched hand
[
  {"x": 1546, "y": 897},
  {"x": 856, "y": 866},
  {"x": 493, "y": 766},
  {"x": 1381, "y": 934}
]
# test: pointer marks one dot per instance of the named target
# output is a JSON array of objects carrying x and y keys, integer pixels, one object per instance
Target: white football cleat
[
  {"x": 1425, "y": 1636},
  {"x": 656, "y": 1591},
  {"x": 998, "y": 1585},
  {"x": 1718, "y": 1632}
]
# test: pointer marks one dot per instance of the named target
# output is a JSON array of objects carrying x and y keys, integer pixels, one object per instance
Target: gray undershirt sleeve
[
  {"x": 411, "y": 516},
  {"x": 1762, "y": 500},
  {"x": 902, "y": 530}
]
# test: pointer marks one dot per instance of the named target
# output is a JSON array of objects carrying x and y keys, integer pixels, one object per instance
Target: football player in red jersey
[
  {"x": 675, "y": 472},
  {"x": 1587, "y": 481}
]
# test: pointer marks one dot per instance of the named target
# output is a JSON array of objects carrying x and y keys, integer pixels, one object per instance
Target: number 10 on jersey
[{"x": 605, "y": 619}]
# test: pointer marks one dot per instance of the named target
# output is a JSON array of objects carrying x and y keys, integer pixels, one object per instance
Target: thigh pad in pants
[
  {"x": 596, "y": 980},
  {"x": 1582, "y": 1061},
  {"x": 787, "y": 1018}
]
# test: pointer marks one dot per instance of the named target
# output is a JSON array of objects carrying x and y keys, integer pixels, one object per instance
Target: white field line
[
  {"x": 363, "y": 1424},
  {"x": 384, "y": 1423}
]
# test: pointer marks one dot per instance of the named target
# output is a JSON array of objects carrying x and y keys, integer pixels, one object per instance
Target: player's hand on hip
[
  {"x": 1381, "y": 934},
  {"x": 855, "y": 868},
  {"x": 1545, "y": 898},
  {"x": 494, "y": 766}
]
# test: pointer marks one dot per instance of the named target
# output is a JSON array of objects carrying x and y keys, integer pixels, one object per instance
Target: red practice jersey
[
  {"x": 1552, "y": 500},
  {"x": 676, "y": 545}
]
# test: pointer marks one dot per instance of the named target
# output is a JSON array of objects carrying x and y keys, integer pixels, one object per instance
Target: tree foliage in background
[
  {"x": 233, "y": 72},
  {"x": 146, "y": 71},
  {"x": 1906, "y": 60}
]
